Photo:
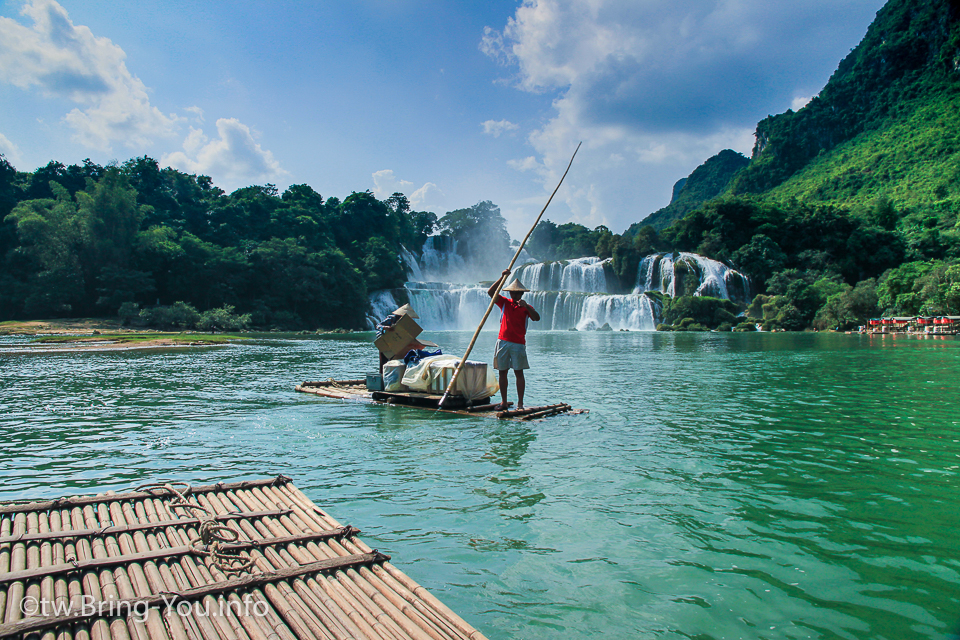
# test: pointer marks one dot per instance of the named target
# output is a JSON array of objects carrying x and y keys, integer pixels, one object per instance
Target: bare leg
[
  {"x": 504, "y": 381},
  {"x": 521, "y": 383}
]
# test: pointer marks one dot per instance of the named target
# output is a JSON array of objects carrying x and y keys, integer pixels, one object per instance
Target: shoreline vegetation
[{"x": 102, "y": 334}]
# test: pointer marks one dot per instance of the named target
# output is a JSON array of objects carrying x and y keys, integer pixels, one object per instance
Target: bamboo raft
[
  {"x": 357, "y": 390},
  {"x": 253, "y": 560}
]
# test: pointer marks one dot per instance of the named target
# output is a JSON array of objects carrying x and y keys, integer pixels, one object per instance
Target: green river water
[{"x": 722, "y": 485}]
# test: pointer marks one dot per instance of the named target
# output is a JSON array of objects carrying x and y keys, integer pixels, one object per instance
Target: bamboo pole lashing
[
  {"x": 343, "y": 613},
  {"x": 271, "y": 527},
  {"x": 271, "y": 621},
  {"x": 287, "y": 607},
  {"x": 159, "y": 574},
  {"x": 197, "y": 574},
  {"x": 174, "y": 573},
  {"x": 162, "y": 579},
  {"x": 112, "y": 496},
  {"x": 80, "y": 533},
  {"x": 323, "y": 551},
  {"x": 258, "y": 628},
  {"x": 501, "y": 283},
  {"x": 294, "y": 498},
  {"x": 546, "y": 413},
  {"x": 155, "y": 554}
]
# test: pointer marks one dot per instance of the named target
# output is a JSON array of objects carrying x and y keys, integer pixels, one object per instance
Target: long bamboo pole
[{"x": 503, "y": 281}]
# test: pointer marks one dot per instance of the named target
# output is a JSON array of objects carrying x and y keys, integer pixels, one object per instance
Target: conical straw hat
[
  {"x": 516, "y": 285},
  {"x": 406, "y": 310}
]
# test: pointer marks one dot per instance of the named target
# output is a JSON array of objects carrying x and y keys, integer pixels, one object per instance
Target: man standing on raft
[{"x": 511, "y": 350}]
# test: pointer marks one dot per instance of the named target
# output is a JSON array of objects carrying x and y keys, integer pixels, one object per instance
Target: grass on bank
[
  {"x": 100, "y": 330},
  {"x": 134, "y": 339}
]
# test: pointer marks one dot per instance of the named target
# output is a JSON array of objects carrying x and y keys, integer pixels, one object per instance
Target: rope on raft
[{"x": 212, "y": 534}]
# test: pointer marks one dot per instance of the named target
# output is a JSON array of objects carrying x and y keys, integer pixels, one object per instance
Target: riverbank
[{"x": 88, "y": 334}]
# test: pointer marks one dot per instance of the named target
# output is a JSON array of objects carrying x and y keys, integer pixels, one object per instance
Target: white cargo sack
[{"x": 393, "y": 375}]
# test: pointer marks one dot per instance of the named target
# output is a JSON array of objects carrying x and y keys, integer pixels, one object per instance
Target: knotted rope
[{"x": 212, "y": 534}]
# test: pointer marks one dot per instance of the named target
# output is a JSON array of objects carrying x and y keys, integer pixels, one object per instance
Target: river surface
[{"x": 722, "y": 485}]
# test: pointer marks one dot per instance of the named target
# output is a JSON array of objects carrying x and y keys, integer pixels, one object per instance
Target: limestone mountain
[
  {"x": 886, "y": 125},
  {"x": 707, "y": 181}
]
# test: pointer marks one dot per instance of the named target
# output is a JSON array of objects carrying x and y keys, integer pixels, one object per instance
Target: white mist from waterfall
[{"x": 568, "y": 294}]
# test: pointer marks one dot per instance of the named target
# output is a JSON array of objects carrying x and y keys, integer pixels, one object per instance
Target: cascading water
[
  {"x": 568, "y": 294},
  {"x": 584, "y": 275},
  {"x": 410, "y": 263},
  {"x": 440, "y": 261},
  {"x": 664, "y": 272}
]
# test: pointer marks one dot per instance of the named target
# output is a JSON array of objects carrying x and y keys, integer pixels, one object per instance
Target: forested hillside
[
  {"x": 849, "y": 206},
  {"x": 705, "y": 183},
  {"x": 83, "y": 240}
]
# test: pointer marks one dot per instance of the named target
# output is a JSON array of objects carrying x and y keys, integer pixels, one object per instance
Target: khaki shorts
[{"x": 510, "y": 355}]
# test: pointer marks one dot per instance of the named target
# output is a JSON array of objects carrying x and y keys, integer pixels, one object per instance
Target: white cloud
[
  {"x": 526, "y": 164},
  {"x": 233, "y": 160},
  {"x": 497, "y": 127},
  {"x": 800, "y": 102},
  {"x": 63, "y": 60},
  {"x": 655, "y": 88},
  {"x": 386, "y": 184},
  {"x": 10, "y": 151},
  {"x": 197, "y": 113},
  {"x": 429, "y": 197}
]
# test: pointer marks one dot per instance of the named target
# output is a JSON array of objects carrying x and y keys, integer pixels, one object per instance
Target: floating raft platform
[
  {"x": 357, "y": 390},
  {"x": 253, "y": 560}
]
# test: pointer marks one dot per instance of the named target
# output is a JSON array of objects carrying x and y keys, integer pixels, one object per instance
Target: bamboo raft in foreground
[
  {"x": 357, "y": 390},
  {"x": 253, "y": 560}
]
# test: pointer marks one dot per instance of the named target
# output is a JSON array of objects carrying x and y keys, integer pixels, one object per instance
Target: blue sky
[{"x": 449, "y": 102}]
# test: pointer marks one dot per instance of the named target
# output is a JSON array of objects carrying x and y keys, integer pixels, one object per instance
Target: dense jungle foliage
[{"x": 86, "y": 240}]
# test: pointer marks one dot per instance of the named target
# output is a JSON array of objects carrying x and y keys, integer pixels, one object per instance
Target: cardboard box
[{"x": 402, "y": 334}]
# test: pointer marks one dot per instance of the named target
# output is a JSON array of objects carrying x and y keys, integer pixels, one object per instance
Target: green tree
[
  {"x": 759, "y": 260},
  {"x": 109, "y": 217},
  {"x": 850, "y": 307},
  {"x": 51, "y": 235}
]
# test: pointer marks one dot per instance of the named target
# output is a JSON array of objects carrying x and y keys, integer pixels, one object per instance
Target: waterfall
[
  {"x": 382, "y": 303},
  {"x": 667, "y": 272},
  {"x": 440, "y": 261},
  {"x": 442, "y": 306},
  {"x": 568, "y": 294},
  {"x": 410, "y": 263},
  {"x": 584, "y": 275}
]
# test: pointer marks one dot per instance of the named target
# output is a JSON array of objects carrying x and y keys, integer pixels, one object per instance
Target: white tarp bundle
[{"x": 434, "y": 373}]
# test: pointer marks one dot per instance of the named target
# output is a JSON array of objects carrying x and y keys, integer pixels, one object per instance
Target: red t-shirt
[{"x": 513, "y": 322}]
